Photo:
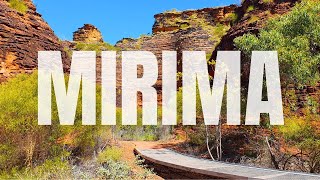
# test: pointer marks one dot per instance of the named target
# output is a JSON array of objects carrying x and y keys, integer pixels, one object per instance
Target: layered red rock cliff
[
  {"x": 252, "y": 20},
  {"x": 22, "y": 35},
  {"x": 208, "y": 29},
  {"x": 87, "y": 34}
]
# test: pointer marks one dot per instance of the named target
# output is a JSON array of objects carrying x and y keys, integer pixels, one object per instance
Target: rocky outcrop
[
  {"x": 173, "y": 20},
  {"x": 88, "y": 34},
  {"x": 251, "y": 17},
  {"x": 188, "y": 30},
  {"x": 193, "y": 30},
  {"x": 252, "y": 20},
  {"x": 210, "y": 30},
  {"x": 300, "y": 98},
  {"x": 22, "y": 35}
]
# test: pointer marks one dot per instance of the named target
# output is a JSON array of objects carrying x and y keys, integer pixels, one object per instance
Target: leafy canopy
[{"x": 296, "y": 38}]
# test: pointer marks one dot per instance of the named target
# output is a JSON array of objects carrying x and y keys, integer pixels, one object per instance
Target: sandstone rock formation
[
  {"x": 209, "y": 29},
  {"x": 253, "y": 21},
  {"x": 205, "y": 29},
  {"x": 191, "y": 30},
  {"x": 88, "y": 34},
  {"x": 188, "y": 30},
  {"x": 21, "y": 37}
]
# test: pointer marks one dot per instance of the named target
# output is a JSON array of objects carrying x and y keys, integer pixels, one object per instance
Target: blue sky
[{"x": 115, "y": 19}]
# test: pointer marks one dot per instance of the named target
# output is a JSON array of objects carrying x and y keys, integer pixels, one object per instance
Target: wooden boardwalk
[{"x": 214, "y": 169}]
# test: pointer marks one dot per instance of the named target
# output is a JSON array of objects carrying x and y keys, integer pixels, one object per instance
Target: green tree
[
  {"x": 23, "y": 142},
  {"x": 296, "y": 38}
]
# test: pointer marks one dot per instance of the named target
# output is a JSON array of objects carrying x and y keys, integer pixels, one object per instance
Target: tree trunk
[{"x": 208, "y": 147}]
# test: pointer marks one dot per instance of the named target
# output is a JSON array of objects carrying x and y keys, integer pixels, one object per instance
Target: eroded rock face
[
  {"x": 88, "y": 34},
  {"x": 173, "y": 20},
  {"x": 21, "y": 37},
  {"x": 197, "y": 29},
  {"x": 188, "y": 30},
  {"x": 193, "y": 30},
  {"x": 253, "y": 21}
]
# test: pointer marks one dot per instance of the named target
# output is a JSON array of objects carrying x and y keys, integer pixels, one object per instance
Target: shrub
[
  {"x": 23, "y": 142},
  {"x": 250, "y": 8},
  {"x": 146, "y": 171},
  {"x": 268, "y": 1},
  {"x": 198, "y": 137},
  {"x": 110, "y": 154},
  {"x": 115, "y": 170},
  {"x": 50, "y": 169},
  {"x": 18, "y": 5},
  {"x": 175, "y": 11},
  {"x": 253, "y": 19},
  {"x": 233, "y": 17},
  {"x": 140, "y": 132},
  {"x": 296, "y": 38},
  {"x": 296, "y": 129},
  {"x": 311, "y": 148},
  {"x": 184, "y": 26},
  {"x": 98, "y": 47}
]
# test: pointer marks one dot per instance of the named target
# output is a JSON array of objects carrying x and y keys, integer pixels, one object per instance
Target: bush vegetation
[
  {"x": 140, "y": 132},
  {"x": 110, "y": 154},
  {"x": 98, "y": 47},
  {"x": 233, "y": 17},
  {"x": 253, "y": 19},
  {"x": 51, "y": 169},
  {"x": 115, "y": 170},
  {"x": 268, "y": 1},
  {"x": 32, "y": 151},
  {"x": 296, "y": 38},
  {"x": 18, "y": 5},
  {"x": 250, "y": 8},
  {"x": 23, "y": 143}
]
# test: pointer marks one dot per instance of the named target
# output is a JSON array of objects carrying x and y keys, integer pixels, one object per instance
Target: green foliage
[
  {"x": 121, "y": 170},
  {"x": 175, "y": 11},
  {"x": 312, "y": 105},
  {"x": 198, "y": 138},
  {"x": 110, "y": 154},
  {"x": 253, "y": 19},
  {"x": 268, "y": 1},
  {"x": 219, "y": 30},
  {"x": 98, "y": 47},
  {"x": 147, "y": 172},
  {"x": 311, "y": 149},
  {"x": 50, "y": 169},
  {"x": 115, "y": 170},
  {"x": 310, "y": 144},
  {"x": 296, "y": 129},
  {"x": 250, "y": 8},
  {"x": 216, "y": 31},
  {"x": 140, "y": 132},
  {"x": 23, "y": 142},
  {"x": 233, "y": 17},
  {"x": 68, "y": 52},
  {"x": 296, "y": 38},
  {"x": 18, "y": 5},
  {"x": 184, "y": 26}
]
